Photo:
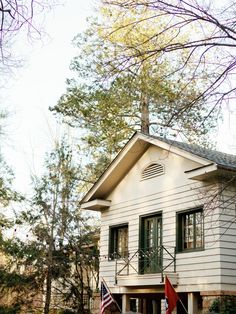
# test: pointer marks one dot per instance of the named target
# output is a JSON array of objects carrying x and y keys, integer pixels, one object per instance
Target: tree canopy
[
  {"x": 59, "y": 259},
  {"x": 108, "y": 103},
  {"x": 211, "y": 44}
]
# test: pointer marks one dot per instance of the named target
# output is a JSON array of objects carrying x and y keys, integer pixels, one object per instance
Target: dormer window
[{"x": 152, "y": 170}]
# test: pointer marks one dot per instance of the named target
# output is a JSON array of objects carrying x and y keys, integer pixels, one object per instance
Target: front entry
[
  {"x": 150, "y": 304},
  {"x": 153, "y": 306},
  {"x": 151, "y": 241}
]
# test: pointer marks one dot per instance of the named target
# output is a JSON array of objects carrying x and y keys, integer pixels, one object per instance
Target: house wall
[
  {"x": 166, "y": 194},
  {"x": 227, "y": 236}
]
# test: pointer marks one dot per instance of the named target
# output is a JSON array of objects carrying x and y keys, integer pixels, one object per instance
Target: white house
[{"x": 167, "y": 208}]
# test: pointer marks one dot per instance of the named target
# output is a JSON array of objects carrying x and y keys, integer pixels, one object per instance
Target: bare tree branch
[
  {"x": 210, "y": 45},
  {"x": 16, "y": 17}
]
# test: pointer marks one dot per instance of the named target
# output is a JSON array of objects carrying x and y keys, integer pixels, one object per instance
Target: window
[
  {"x": 190, "y": 230},
  {"x": 118, "y": 247},
  {"x": 150, "y": 246}
]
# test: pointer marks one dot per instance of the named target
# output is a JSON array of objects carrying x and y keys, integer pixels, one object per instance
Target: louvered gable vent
[{"x": 152, "y": 170}]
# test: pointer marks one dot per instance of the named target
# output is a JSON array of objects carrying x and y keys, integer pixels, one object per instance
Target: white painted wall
[
  {"x": 168, "y": 194},
  {"x": 227, "y": 238}
]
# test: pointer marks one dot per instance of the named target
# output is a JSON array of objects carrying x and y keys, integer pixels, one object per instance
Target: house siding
[
  {"x": 168, "y": 194},
  {"x": 227, "y": 237}
]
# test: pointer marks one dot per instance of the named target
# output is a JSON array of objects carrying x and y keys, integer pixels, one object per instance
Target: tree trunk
[
  {"x": 48, "y": 293},
  {"x": 48, "y": 290},
  {"x": 144, "y": 110}
]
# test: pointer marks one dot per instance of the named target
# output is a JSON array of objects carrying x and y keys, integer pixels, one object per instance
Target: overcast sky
[{"x": 31, "y": 129}]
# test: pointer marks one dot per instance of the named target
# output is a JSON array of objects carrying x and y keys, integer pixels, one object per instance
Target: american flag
[{"x": 106, "y": 297}]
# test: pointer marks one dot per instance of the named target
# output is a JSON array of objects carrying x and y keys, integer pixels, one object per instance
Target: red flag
[{"x": 171, "y": 297}]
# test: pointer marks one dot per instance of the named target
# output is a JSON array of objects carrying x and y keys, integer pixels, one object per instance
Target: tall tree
[
  {"x": 56, "y": 229},
  {"x": 211, "y": 44},
  {"x": 109, "y": 104},
  {"x": 54, "y": 197},
  {"x": 10, "y": 279},
  {"x": 20, "y": 276},
  {"x": 79, "y": 286}
]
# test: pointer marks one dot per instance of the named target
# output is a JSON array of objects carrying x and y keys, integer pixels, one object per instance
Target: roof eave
[
  {"x": 210, "y": 171},
  {"x": 202, "y": 173},
  {"x": 127, "y": 157},
  {"x": 96, "y": 205}
]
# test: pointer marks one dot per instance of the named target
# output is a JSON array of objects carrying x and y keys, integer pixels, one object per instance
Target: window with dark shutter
[
  {"x": 118, "y": 241},
  {"x": 190, "y": 232}
]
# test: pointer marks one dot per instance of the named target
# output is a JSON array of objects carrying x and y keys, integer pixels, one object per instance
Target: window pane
[
  {"x": 122, "y": 241},
  {"x": 158, "y": 232},
  {"x": 150, "y": 234},
  {"x": 199, "y": 229},
  {"x": 191, "y": 230},
  {"x": 188, "y": 231},
  {"x": 151, "y": 257},
  {"x": 119, "y": 242}
]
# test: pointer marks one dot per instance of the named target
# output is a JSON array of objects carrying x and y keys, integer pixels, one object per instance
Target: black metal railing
[{"x": 141, "y": 261}]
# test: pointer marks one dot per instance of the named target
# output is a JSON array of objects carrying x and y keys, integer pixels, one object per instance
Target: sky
[{"x": 30, "y": 128}]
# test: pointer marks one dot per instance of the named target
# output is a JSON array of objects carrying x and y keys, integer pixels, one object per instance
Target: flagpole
[
  {"x": 111, "y": 294},
  {"x": 183, "y": 306},
  {"x": 172, "y": 297}
]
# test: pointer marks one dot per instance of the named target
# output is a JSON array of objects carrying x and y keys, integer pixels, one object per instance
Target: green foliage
[
  {"x": 84, "y": 260},
  {"x": 10, "y": 310},
  {"x": 20, "y": 277},
  {"x": 58, "y": 234},
  {"x": 7, "y": 194},
  {"x": 13, "y": 279},
  {"x": 223, "y": 305},
  {"x": 108, "y": 104}
]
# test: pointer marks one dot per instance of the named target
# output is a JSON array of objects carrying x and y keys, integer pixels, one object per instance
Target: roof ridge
[{"x": 171, "y": 141}]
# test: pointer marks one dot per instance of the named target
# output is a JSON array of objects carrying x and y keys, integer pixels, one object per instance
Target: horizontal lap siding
[
  {"x": 167, "y": 194},
  {"x": 227, "y": 237},
  {"x": 201, "y": 265}
]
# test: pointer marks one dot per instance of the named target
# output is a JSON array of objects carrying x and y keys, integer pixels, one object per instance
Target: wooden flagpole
[{"x": 111, "y": 295}]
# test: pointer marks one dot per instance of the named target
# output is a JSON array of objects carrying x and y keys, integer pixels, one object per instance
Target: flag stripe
[{"x": 106, "y": 298}]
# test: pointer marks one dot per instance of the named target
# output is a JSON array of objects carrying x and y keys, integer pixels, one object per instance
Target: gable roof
[
  {"x": 136, "y": 147},
  {"x": 221, "y": 159}
]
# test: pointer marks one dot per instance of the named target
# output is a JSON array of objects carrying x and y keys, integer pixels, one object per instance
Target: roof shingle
[{"x": 220, "y": 158}]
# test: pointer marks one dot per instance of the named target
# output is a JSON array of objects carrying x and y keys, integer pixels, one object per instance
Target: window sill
[{"x": 190, "y": 250}]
